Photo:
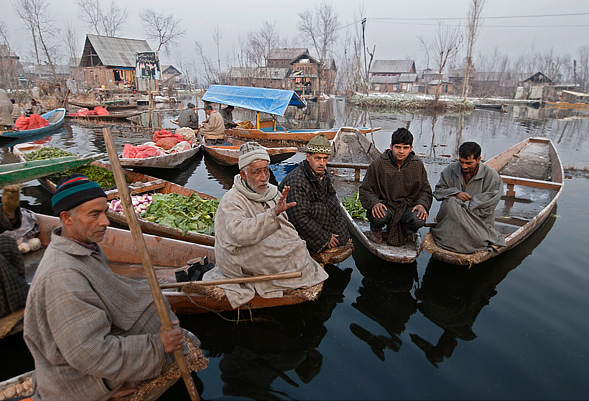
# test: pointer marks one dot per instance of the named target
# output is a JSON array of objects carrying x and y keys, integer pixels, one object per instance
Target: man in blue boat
[
  {"x": 469, "y": 191},
  {"x": 396, "y": 192},
  {"x": 316, "y": 216},
  {"x": 93, "y": 334},
  {"x": 188, "y": 118},
  {"x": 254, "y": 237},
  {"x": 213, "y": 128}
]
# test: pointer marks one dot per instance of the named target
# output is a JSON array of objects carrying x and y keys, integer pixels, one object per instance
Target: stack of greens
[
  {"x": 185, "y": 213},
  {"x": 101, "y": 175},
  {"x": 354, "y": 207}
]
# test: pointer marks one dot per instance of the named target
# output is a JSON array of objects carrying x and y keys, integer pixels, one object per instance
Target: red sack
[
  {"x": 85, "y": 112},
  {"x": 22, "y": 123},
  {"x": 161, "y": 134},
  {"x": 140, "y": 151},
  {"x": 37, "y": 121},
  {"x": 101, "y": 111},
  {"x": 168, "y": 143}
]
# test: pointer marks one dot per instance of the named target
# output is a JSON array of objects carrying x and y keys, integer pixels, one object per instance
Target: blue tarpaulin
[{"x": 271, "y": 101}]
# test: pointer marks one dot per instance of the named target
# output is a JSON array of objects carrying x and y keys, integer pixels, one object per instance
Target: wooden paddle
[
  {"x": 240, "y": 280},
  {"x": 137, "y": 235}
]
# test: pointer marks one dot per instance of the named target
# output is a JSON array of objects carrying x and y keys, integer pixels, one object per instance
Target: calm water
[{"x": 515, "y": 327}]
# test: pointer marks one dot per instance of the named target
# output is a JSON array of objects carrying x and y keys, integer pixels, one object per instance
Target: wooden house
[
  {"x": 261, "y": 77},
  {"x": 534, "y": 87},
  {"x": 393, "y": 76},
  {"x": 10, "y": 68},
  {"x": 109, "y": 62}
]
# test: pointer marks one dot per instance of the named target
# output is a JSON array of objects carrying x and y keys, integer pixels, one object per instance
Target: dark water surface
[{"x": 515, "y": 327}]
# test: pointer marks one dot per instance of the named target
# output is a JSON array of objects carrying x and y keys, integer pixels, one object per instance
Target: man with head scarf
[
  {"x": 254, "y": 237},
  {"x": 316, "y": 216},
  {"x": 93, "y": 334},
  {"x": 188, "y": 118}
]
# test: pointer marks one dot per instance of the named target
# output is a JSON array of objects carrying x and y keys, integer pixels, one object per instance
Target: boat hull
[
  {"x": 55, "y": 117},
  {"x": 173, "y": 160}
]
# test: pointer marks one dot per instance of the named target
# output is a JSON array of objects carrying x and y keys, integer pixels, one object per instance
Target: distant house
[
  {"x": 262, "y": 77},
  {"x": 534, "y": 87},
  {"x": 34, "y": 72},
  {"x": 110, "y": 61},
  {"x": 492, "y": 84},
  {"x": 393, "y": 76},
  {"x": 10, "y": 68},
  {"x": 171, "y": 76},
  {"x": 441, "y": 87},
  {"x": 283, "y": 57}
]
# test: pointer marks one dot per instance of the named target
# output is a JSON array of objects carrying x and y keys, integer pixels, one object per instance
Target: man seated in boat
[
  {"x": 92, "y": 333},
  {"x": 213, "y": 128},
  {"x": 34, "y": 107},
  {"x": 396, "y": 192},
  {"x": 254, "y": 237},
  {"x": 227, "y": 114},
  {"x": 469, "y": 191},
  {"x": 188, "y": 118},
  {"x": 13, "y": 285},
  {"x": 316, "y": 216}
]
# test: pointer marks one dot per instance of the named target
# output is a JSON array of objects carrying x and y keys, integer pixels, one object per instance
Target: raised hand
[{"x": 281, "y": 206}]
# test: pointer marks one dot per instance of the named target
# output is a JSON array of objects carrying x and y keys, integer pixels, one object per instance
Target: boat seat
[
  {"x": 138, "y": 188},
  {"x": 512, "y": 221},
  {"x": 527, "y": 182}
]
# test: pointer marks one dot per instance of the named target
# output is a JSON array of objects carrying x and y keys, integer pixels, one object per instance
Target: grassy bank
[{"x": 409, "y": 102}]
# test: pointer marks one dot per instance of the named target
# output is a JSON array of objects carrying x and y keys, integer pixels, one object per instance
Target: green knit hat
[{"x": 319, "y": 144}]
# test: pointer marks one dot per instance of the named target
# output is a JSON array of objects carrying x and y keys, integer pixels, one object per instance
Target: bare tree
[
  {"x": 473, "y": 29},
  {"x": 445, "y": 47},
  {"x": 70, "y": 38},
  {"x": 105, "y": 22},
  {"x": 320, "y": 29},
  {"x": 582, "y": 71},
  {"x": 260, "y": 42},
  {"x": 35, "y": 15},
  {"x": 8, "y": 73},
  {"x": 211, "y": 74},
  {"x": 217, "y": 36},
  {"x": 163, "y": 29}
]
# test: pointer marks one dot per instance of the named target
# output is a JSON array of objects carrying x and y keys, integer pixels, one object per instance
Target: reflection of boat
[
  {"x": 270, "y": 101},
  {"x": 384, "y": 297},
  {"x": 490, "y": 106},
  {"x": 452, "y": 296},
  {"x": 55, "y": 119},
  {"x": 171, "y": 160},
  {"x": 228, "y": 155},
  {"x": 168, "y": 256},
  {"x": 534, "y": 166}
]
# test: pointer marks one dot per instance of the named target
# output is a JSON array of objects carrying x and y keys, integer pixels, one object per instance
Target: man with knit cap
[
  {"x": 188, "y": 118},
  {"x": 253, "y": 235},
  {"x": 316, "y": 216},
  {"x": 93, "y": 334}
]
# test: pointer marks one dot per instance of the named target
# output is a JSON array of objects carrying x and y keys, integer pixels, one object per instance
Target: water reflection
[
  {"x": 453, "y": 296},
  {"x": 275, "y": 343},
  {"x": 385, "y": 297}
]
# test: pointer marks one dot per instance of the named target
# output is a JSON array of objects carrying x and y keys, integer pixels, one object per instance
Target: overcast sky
[{"x": 393, "y": 26}]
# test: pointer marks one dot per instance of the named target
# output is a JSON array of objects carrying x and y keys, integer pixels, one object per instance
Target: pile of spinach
[
  {"x": 354, "y": 207},
  {"x": 185, "y": 213}
]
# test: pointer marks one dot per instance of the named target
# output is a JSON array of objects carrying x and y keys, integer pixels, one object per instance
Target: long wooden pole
[
  {"x": 137, "y": 235},
  {"x": 240, "y": 280}
]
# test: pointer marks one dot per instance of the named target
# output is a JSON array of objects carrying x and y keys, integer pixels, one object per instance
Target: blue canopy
[{"x": 271, "y": 101}]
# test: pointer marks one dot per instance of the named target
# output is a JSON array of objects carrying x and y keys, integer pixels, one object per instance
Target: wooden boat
[
  {"x": 149, "y": 390},
  {"x": 172, "y": 160},
  {"x": 107, "y": 117},
  {"x": 532, "y": 165},
  {"x": 82, "y": 104},
  {"x": 228, "y": 155},
  {"x": 168, "y": 256},
  {"x": 490, "y": 106},
  {"x": 55, "y": 119}
]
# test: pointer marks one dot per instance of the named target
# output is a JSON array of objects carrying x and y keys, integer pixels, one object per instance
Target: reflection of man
[
  {"x": 254, "y": 237},
  {"x": 316, "y": 216},
  {"x": 213, "y": 128},
  {"x": 469, "y": 191},
  {"x": 93, "y": 334},
  {"x": 396, "y": 192},
  {"x": 227, "y": 114},
  {"x": 188, "y": 117}
]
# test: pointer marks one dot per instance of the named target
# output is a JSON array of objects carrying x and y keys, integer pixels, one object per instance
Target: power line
[
  {"x": 486, "y": 26},
  {"x": 491, "y": 17}
]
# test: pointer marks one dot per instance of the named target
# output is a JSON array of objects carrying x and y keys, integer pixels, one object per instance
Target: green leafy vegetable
[
  {"x": 185, "y": 213},
  {"x": 354, "y": 207}
]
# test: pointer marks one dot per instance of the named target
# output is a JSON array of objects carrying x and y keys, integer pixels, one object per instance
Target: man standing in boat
[
  {"x": 316, "y": 216},
  {"x": 188, "y": 118},
  {"x": 92, "y": 333},
  {"x": 396, "y": 192},
  {"x": 469, "y": 191},
  {"x": 213, "y": 128},
  {"x": 254, "y": 237},
  {"x": 60, "y": 97}
]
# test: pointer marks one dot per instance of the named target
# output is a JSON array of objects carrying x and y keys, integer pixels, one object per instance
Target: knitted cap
[
  {"x": 190, "y": 105},
  {"x": 319, "y": 144},
  {"x": 250, "y": 152},
  {"x": 73, "y": 191}
]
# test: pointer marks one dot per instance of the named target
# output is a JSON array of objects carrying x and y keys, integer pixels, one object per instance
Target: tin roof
[
  {"x": 392, "y": 66},
  {"x": 116, "y": 52},
  {"x": 286, "y": 53}
]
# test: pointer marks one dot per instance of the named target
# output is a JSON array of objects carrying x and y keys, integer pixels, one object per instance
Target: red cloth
[
  {"x": 24, "y": 123},
  {"x": 167, "y": 143},
  {"x": 140, "y": 151},
  {"x": 101, "y": 111}
]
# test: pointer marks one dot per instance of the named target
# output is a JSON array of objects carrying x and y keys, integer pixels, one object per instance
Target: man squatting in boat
[
  {"x": 92, "y": 333},
  {"x": 253, "y": 235},
  {"x": 469, "y": 191},
  {"x": 316, "y": 216},
  {"x": 396, "y": 192}
]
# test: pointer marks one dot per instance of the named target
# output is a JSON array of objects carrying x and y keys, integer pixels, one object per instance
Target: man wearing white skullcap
[{"x": 253, "y": 235}]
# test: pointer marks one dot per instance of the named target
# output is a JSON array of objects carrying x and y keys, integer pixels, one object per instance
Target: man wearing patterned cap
[
  {"x": 316, "y": 216},
  {"x": 253, "y": 235},
  {"x": 93, "y": 334}
]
